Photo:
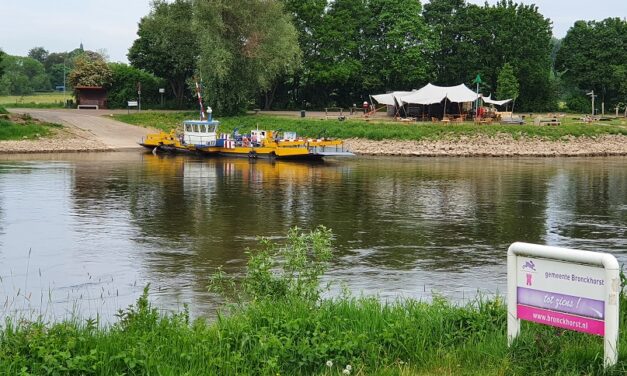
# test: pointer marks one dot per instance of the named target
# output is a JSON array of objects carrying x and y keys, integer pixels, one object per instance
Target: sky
[{"x": 62, "y": 25}]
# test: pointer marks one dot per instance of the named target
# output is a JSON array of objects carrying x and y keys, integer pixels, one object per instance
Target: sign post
[
  {"x": 161, "y": 91},
  {"x": 565, "y": 288},
  {"x": 477, "y": 81}
]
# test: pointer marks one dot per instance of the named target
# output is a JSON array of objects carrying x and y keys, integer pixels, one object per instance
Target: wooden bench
[
  {"x": 545, "y": 121},
  {"x": 87, "y": 106}
]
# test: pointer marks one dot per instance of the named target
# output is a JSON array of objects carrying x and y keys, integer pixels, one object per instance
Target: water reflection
[{"x": 100, "y": 226}]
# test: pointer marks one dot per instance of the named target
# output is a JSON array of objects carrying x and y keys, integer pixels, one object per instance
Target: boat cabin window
[{"x": 189, "y": 128}]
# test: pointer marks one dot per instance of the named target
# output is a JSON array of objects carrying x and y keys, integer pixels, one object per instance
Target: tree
[
  {"x": 594, "y": 55},
  {"x": 38, "y": 53},
  {"x": 124, "y": 80},
  {"x": 245, "y": 46},
  {"x": 90, "y": 72},
  {"x": 398, "y": 46},
  {"x": 508, "y": 32},
  {"x": 22, "y": 75},
  {"x": 1, "y": 66},
  {"x": 167, "y": 45},
  {"x": 507, "y": 84}
]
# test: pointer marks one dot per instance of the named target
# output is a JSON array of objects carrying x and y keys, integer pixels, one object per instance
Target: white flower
[
  {"x": 329, "y": 363},
  {"x": 349, "y": 367},
  {"x": 346, "y": 372}
]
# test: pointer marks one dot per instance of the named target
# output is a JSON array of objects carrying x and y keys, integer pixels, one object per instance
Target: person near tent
[{"x": 365, "y": 107}]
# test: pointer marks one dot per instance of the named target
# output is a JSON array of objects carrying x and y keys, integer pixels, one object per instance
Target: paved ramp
[{"x": 94, "y": 124}]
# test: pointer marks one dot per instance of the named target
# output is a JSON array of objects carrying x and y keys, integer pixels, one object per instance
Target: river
[{"x": 84, "y": 233}]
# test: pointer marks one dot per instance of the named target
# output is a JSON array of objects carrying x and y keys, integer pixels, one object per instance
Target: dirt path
[{"x": 85, "y": 130}]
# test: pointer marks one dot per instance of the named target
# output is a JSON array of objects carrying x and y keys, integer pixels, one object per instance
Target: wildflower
[
  {"x": 349, "y": 367},
  {"x": 346, "y": 372},
  {"x": 329, "y": 363}
]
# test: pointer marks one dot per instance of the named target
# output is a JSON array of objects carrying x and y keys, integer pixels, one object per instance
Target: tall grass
[
  {"x": 380, "y": 130},
  {"x": 26, "y": 128},
  {"x": 277, "y": 323}
]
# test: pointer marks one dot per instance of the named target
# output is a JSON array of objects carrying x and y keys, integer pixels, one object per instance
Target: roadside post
[
  {"x": 130, "y": 104},
  {"x": 161, "y": 91},
  {"x": 566, "y": 288}
]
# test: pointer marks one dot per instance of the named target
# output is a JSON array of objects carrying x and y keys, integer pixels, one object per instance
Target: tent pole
[{"x": 444, "y": 115}]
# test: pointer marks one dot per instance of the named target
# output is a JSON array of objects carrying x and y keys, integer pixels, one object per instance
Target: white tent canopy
[
  {"x": 435, "y": 94},
  {"x": 492, "y": 101},
  {"x": 391, "y": 99}
]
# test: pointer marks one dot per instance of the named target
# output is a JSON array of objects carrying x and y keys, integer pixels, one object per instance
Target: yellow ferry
[{"x": 201, "y": 136}]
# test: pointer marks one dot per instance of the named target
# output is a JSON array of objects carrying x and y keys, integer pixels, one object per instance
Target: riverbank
[
  {"x": 78, "y": 131},
  {"x": 499, "y": 145},
  {"x": 278, "y": 324},
  {"x": 89, "y": 130}
]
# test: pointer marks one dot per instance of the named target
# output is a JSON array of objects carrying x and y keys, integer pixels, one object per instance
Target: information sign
[{"x": 565, "y": 288}]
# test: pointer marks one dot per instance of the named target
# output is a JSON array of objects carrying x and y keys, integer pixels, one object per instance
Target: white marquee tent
[
  {"x": 492, "y": 101},
  {"x": 391, "y": 99},
  {"x": 431, "y": 94}
]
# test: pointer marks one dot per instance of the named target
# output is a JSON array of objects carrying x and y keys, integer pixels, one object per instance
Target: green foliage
[
  {"x": 379, "y": 131},
  {"x": 38, "y": 53},
  {"x": 509, "y": 33},
  {"x": 507, "y": 84},
  {"x": 278, "y": 333},
  {"x": 578, "y": 103},
  {"x": 24, "y": 130},
  {"x": 289, "y": 271},
  {"x": 594, "y": 57},
  {"x": 124, "y": 80},
  {"x": 2, "y": 55},
  {"x": 90, "y": 70},
  {"x": 167, "y": 45},
  {"x": 22, "y": 75},
  {"x": 3, "y": 111},
  {"x": 244, "y": 47}
]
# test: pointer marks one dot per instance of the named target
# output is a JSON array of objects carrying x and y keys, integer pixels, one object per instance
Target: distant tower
[{"x": 81, "y": 47}]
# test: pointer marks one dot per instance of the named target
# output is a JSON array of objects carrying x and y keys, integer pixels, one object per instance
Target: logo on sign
[{"x": 529, "y": 265}]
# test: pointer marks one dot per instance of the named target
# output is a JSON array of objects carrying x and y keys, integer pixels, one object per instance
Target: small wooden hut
[{"x": 91, "y": 97}]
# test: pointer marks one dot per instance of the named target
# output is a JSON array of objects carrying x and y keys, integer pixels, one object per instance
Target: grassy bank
[
  {"x": 23, "y": 127},
  {"x": 277, "y": 323},
  {"x": 372, "y": 130},
  {"x": 39, "y": 100}
]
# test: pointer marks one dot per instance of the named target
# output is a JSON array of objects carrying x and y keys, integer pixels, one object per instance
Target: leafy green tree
[
  {"x": 398, "y": 46},
  {"x": 594, "y": 56},
  {"x": 22, "y": 75},
  {"x": 1, "y": 66},
  {"x": 90, "y": 72},
  {"x": 474, "y": 39},
  {"x": 245, "y": 46},
  {"x": 507, "y": 84},
  {"x": 167, "y": 45},
  {"x": 124, "y": 80},
  {"x": 38, "y": 53}
]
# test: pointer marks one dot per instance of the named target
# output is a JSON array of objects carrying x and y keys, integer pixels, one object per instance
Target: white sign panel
[{"x": 565, "y": 288}]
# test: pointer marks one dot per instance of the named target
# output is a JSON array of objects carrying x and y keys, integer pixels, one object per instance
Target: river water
[{"x": 84, "y": 233}]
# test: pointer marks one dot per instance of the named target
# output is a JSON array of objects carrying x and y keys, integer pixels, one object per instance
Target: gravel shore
[
  {"x": 499, "y": 146},
  {"x": 65, "y": 140}
]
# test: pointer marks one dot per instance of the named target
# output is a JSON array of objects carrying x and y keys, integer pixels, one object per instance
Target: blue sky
[{"x": 112, "y": 25}]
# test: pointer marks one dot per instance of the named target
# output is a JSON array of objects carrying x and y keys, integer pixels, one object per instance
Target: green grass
[
  {"x": 278, "y": 324},
  {"x": 382, "y": 130},
  {"x": 39, "y": 100},
  {"x": 27, "y": 128}
]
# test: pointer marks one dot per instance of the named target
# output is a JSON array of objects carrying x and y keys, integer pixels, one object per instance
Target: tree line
[{"x": 301, "y": 54}]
